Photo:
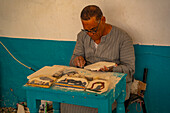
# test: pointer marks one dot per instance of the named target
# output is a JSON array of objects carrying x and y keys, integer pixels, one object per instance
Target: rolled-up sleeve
[{"x": 79, "y": 48}]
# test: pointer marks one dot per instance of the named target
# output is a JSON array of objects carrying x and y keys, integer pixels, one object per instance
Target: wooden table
[{"x": 60, "y": 95}]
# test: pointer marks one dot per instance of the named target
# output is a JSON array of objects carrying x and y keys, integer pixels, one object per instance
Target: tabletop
[{"x": 103, "y": 101}]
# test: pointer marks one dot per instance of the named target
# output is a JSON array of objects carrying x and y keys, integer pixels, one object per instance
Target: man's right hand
[{"x": 79, "y": 61}]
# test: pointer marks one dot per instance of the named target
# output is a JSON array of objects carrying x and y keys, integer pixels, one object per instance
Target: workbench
[{"x": 61, "y": 95}]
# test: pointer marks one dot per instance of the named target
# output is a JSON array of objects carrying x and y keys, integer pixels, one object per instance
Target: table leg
[
  {"x": 32, "y": 103},
  {"x": 105, "y": 107},
  {"x": 56, "y": 107},
  {"x": 121, "y": 99}
]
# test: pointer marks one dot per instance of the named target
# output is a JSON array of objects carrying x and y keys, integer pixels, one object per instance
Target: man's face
[{"x": 93, "y": 28}]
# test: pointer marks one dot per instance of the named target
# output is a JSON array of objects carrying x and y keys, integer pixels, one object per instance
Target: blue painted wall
[{"x": 38, "y": 53}]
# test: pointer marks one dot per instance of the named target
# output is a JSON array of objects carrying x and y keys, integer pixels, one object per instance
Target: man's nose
[{"x": 90, "y": 33}]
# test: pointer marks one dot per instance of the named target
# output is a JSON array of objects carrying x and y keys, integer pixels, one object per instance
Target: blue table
[{"x": 60, "y": 95}]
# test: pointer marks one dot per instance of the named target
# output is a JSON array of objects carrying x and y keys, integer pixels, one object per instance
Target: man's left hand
[{"x": 106, "y": 69}]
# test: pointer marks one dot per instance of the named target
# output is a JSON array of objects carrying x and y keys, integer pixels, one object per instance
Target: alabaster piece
[
  {"x": 47, "y": 70},
  {"x": 96, "y": 66},
  {"x": 98, "y": 86},
  {"x": 41, "y": 81},
  {"x": 72, "y": 82}
]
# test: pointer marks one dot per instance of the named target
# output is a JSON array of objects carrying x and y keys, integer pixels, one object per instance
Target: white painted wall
[{"x": 147, "y": 21}]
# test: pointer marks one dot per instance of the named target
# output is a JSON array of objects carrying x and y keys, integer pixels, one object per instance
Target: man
[{"x": 100, "y": 41}]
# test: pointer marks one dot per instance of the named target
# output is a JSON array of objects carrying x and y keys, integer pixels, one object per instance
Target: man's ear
[{"x": 103, "y": 19}]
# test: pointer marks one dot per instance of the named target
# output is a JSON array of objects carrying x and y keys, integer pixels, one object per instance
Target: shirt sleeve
[
  {"x": 127, "y": 58},
  {"x": 79, "y": 48}
]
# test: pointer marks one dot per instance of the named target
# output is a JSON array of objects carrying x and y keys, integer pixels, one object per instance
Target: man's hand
[
  {"x": 110, "y": 69},
  {"x": 79, "y": 61},
  {"x": 105, "y": 69}
]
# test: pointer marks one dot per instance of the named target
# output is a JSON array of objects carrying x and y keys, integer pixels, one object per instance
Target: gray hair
[{"x": 91, "y": 11}]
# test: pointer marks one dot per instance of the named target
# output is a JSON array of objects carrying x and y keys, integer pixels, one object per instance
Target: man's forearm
[
  {"x": 71, "y": 61},
  {"x": 125, "y": 69}
]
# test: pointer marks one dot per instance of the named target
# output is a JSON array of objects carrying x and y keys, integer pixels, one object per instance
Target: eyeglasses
[{"x": 93, "y": 30}]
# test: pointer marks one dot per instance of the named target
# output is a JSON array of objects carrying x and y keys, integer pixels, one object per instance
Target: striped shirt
[{"x": 116, "y": 46}]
